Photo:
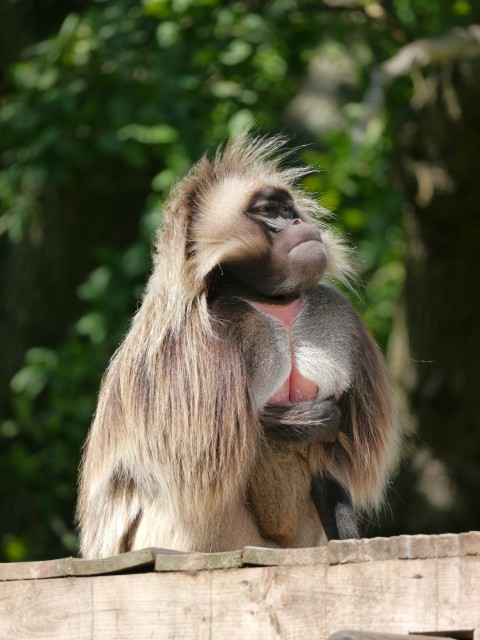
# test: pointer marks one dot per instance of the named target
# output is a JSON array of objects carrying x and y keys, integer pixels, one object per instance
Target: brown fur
[{"x": 176, "y": 455}]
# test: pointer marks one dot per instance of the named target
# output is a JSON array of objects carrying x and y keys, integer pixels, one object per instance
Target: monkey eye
[
  {"x": 287, "y": 209},
  {"x": 273, "y": 210},
  {"x": 274, "y": 215},
  {"x": 260, "y": 209}
]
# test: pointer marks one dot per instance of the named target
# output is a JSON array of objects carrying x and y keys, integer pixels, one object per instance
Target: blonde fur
[{"x": 176, "y": 442}]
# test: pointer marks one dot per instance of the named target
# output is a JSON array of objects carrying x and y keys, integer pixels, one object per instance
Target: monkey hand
[{"x": 304, "y": 422}]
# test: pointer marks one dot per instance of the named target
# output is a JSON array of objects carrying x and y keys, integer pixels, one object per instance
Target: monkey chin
[
  {"x": 310, "y": 252},
  {"x": 307, "y": 263}
]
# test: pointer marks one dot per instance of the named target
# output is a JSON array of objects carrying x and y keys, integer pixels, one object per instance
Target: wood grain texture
[
  {"x": 336, "y": 552},
  {"x": 372, "y": 635},
  {"x": 198, "y": 561},
  {"x": 421, "y": 595},
  {"x": 63, "y": 567},
  {"x": 263, "y": 556}
]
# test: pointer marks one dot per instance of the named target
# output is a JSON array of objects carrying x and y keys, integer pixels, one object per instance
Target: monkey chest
[{"x": 302, "y": 351}]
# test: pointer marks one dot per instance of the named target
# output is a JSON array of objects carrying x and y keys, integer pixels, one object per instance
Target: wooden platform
[{"x": 402, "y": 585}]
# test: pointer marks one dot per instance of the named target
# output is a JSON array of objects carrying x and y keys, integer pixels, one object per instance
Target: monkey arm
[
  {"x": 334, "y": 507},
  {"x": 302, "y": 423}
]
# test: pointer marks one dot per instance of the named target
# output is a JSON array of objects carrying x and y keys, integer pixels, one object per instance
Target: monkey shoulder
[
  {"x": 236, "y": 317},
  {"x": 235, "y": 314},
  {"x": 326, "y": 339},
  {"x": 328, "y": 310},
  {"x": 261, "y": 340}
]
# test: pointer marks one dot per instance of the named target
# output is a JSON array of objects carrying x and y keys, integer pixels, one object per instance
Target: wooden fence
[{"x": 402, "y": 585}]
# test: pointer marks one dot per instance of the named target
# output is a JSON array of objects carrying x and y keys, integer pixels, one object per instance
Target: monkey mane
[
  {"x": 250, "y": 161},
  {"x": 175, "y": 387},
  {"x": 175, "y": 410}
]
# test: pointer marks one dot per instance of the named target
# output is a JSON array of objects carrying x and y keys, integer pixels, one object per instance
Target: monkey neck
[
  {"x": 286, "y": 312},
  {"x": 224, "y": 284}
]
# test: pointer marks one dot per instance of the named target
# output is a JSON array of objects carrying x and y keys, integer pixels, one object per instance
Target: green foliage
[
  {"x": 354, "y": 184},
  {"x": 148, "y": 87}
]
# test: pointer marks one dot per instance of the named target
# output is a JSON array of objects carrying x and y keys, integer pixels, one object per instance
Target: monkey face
[{"x": 293, "y": 258}]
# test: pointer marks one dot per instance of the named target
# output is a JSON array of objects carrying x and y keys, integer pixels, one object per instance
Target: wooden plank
[
  {"x": 336, "y": 552},
  {"x": 368, "y": 550},
  {"x": 34, "y": 570},
  {"x": 132, "y": 560},
  {"x": 63, "y": 567},
  {"x": 199, "y": 561},
  {"x": 268, "y": 557},
  {"x": 349, "y": 634},
  {"x": 299, "y": 601}
]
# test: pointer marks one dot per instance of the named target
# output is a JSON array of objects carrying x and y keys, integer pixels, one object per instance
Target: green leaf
[{"x": 154, "y": 134}]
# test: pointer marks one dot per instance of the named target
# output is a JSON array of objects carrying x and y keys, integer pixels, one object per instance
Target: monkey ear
[
  {"x": 209, "y": 256},
  {"x": 205, "y": 262}
]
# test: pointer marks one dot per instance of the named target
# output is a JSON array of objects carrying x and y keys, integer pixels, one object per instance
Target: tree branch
[{"x": 455, "y": 44}]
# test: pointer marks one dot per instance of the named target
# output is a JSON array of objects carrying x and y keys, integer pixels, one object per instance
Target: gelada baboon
[{"x": 247, "y": 405}]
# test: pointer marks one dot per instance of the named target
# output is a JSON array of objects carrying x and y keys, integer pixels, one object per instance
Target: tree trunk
[{"x": 435, "y": 360}]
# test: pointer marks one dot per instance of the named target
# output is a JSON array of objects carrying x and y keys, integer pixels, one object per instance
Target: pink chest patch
[{"x": 296, "y": 388}]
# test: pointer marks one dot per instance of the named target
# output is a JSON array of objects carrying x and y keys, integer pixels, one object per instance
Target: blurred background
[{"x": 105, "y": 104}]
